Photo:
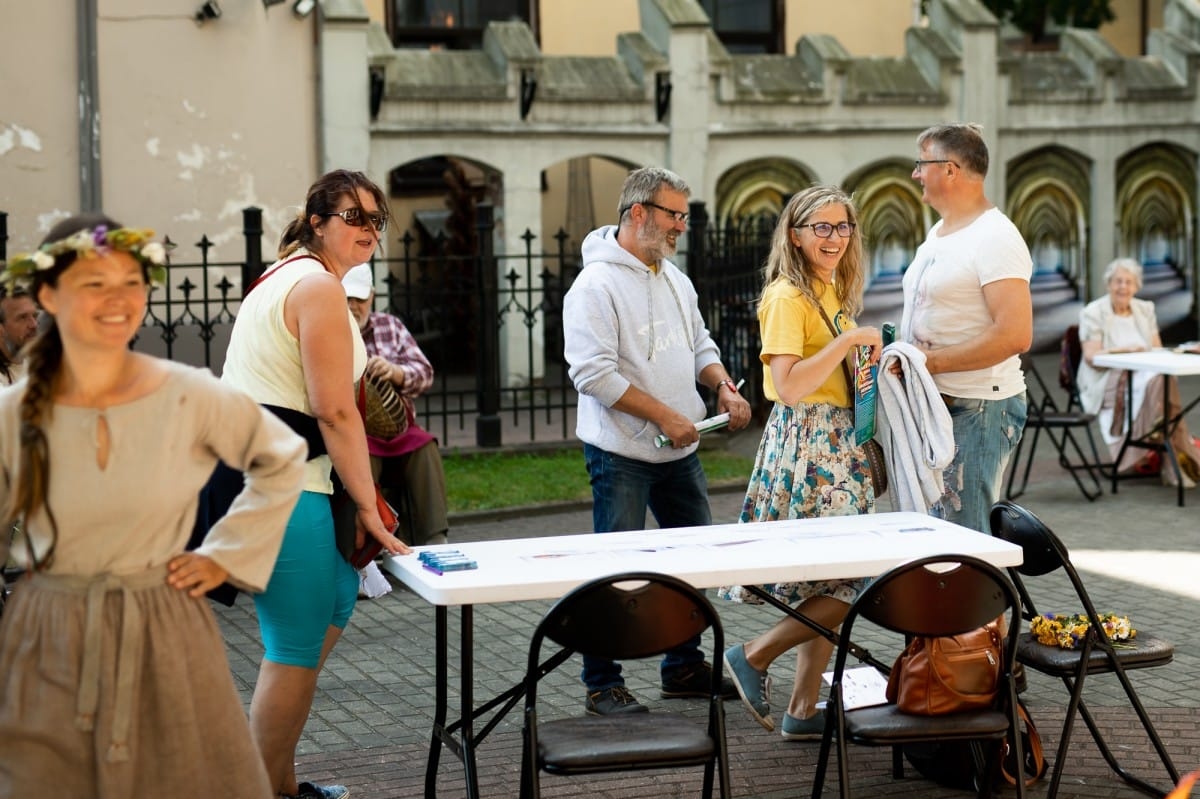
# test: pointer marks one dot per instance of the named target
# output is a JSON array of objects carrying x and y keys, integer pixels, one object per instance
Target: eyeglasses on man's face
[
  {"x": 920, "y": 162},
  {"x": 678, "y": 216},
  {"x": 356, "y": 217},
  {"x": 825, "y": 230}
]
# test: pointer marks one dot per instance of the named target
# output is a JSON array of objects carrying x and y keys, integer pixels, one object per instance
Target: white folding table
[
  {"x": 1159, "y": 361},
  {"x": 726, "y": 554}
]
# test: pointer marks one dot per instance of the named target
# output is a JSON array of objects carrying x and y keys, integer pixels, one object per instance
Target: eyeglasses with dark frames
[
  {"x": 824, "y": 230},
  {"x": 920, "y": 162},
  {"x": 354, "y": 217},
  {"x": 678, "y": 216}
]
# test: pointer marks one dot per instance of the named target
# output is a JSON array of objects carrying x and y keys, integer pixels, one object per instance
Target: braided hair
[{"x": 32, "y": 484}]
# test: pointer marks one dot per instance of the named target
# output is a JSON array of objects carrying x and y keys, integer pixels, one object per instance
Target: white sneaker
[{"x": 371, "y": 582}]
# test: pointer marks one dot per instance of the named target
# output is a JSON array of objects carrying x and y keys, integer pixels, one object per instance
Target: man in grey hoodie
[{"x": 637, "y": 347}]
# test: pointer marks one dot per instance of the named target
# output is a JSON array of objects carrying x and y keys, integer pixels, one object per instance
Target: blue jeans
[
  {"x": 622, "y": 489},
  {"x": 985, "y": 434}
]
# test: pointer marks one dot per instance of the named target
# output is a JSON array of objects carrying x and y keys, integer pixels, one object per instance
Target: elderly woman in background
[{"x": 1119, "y": 322}]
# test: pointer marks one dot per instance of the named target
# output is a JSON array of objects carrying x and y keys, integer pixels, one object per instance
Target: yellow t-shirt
[{"x": 790, "y": 325}]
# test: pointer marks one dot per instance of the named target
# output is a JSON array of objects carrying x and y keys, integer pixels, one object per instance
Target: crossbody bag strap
[
  {"x": 362, "y": 398},
  {"x": 281, "y": 265},
  {"x": 845, "y": 366}
]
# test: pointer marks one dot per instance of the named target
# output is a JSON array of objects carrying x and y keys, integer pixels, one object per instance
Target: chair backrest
[
  {"x": 1040, "y": 398},
  {"x": 628, "y": 616},
  {"x": 1042, "y": 550},
  {"x": 1070, "y": 354},
  {"x": 937, "y": 596}
]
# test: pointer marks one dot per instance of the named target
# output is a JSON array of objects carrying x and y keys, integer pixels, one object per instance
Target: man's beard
[{"x": 654, "y": 242}]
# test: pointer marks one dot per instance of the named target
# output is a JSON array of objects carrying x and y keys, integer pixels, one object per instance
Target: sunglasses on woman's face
[{"x": 356, "y": 217}]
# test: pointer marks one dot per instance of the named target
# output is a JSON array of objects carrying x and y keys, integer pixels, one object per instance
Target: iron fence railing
[{"x": 490, "y": 323}]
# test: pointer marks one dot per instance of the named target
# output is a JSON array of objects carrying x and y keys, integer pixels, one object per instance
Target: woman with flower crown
[
  {"x": 296, "y": 346},
  {"x": 115, "y": 677}
]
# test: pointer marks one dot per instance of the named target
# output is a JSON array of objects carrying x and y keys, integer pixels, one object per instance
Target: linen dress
[{"x": 116, "y": 685}]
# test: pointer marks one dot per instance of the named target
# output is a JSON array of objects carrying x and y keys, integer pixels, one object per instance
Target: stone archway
[
  {"x": 1049, "y": 194},
  {"x": 893, "y": 218},
  {"x": 1156, "y": 201},
  {"x": 758, "y": 189},
  {"x": 431, "y": 253}
]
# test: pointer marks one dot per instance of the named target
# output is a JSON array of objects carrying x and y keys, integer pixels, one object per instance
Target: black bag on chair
[{"x": 951, "y": 765}]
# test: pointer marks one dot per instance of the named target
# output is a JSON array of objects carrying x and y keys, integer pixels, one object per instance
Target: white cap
[{"x": 358, "y": 282}]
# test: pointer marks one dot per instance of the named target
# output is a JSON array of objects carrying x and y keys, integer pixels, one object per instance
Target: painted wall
[
  {"x": 569, "y": 27},
  {"x": 869, "y": 27},
  {"x": 1125, "y": 33},
  {"x": 197, "y": 121},
  {"x": 38, "y": 137}
]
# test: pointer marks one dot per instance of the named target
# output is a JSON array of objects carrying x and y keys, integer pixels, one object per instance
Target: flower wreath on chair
[{"x": 1056, "y": 629}]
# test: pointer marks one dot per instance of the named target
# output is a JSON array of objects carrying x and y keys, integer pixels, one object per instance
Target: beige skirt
[{"x": 119, "y": 687}]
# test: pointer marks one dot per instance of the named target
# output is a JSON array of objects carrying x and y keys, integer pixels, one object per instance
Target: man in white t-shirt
[{"x": 967, "y": 306}]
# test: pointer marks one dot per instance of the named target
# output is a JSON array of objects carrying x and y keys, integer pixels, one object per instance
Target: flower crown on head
[{"x": 92, "y": 243}]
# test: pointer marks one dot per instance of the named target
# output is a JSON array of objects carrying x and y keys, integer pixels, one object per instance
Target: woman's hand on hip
[{"x": 196, "y": 574}]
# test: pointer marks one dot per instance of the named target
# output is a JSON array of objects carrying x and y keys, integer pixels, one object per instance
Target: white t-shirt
[{"x": 944, "y": 303}]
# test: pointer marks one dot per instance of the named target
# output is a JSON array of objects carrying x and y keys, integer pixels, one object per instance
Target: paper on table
[
  {"x": 702, "y": 426},
  {"x": 862, "y": 686}
]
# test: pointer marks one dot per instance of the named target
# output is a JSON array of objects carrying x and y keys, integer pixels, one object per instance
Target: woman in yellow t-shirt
[{"x": 808, "y": 464}]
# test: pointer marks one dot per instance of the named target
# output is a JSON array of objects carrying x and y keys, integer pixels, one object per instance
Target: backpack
[{"x": 951, "y": 764}]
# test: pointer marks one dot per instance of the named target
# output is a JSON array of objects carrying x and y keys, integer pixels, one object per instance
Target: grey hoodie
[{"x": 623, "y": 325}]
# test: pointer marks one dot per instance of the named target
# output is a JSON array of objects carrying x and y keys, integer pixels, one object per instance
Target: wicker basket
[{"x": 385, "y": 414}]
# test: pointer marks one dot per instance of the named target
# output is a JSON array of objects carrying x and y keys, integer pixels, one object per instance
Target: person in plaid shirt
[{"x": 409, "y": 466}]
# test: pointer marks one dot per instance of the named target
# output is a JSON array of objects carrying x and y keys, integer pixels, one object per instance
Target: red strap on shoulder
[{"x": 281, "y": 264}]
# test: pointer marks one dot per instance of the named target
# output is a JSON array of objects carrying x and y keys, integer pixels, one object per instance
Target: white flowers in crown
[{"x": 91, "y": 243}]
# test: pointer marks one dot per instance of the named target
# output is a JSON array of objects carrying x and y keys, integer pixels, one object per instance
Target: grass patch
[{"x": 509, "y": 479}]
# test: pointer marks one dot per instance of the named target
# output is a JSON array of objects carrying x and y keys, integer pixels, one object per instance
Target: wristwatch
[{"x": 727, "y": 382}]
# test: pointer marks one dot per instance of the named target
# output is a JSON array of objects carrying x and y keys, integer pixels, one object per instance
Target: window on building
[
  {"x": 747, "y": 26},
  {"x": 452, "y": 24}
]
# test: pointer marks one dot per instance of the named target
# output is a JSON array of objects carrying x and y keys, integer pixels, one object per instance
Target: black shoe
[
  {"x": 308, "y": 790},
  {"x": 613, "y": 701},
  {"x": 694, "y": 680}
]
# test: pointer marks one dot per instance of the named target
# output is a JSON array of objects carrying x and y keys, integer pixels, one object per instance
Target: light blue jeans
[
  {"x": 985, "y": 434},
  {"x": 676, "y": 493}
]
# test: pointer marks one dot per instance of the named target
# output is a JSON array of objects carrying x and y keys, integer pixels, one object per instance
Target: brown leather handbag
[{"x": 934, "y": 676}]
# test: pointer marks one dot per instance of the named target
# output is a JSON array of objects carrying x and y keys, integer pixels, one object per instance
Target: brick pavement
[{"x": 370, "y": 723}]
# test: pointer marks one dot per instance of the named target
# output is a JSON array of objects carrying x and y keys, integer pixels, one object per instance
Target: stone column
[
  {"x": 1104, "y": 236},
  {"x": 977, "y": 34},
  {"x": 520, "y": 217},
  {"x": 343, "y": 87},
  {"x": 680, "y": 29}
]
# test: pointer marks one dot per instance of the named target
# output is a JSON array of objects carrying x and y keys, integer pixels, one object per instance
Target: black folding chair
[
  {"x": 1069, "y": 357},
  {"x": 934, "y": 596},
  {"x": 1043, "y": 554},
  {"x": 624, "y": 616},
  {"x": 1061, "y": 428}
]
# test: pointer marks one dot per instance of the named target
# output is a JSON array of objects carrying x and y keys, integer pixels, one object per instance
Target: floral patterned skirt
[{"x": 807, "y": 466}]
